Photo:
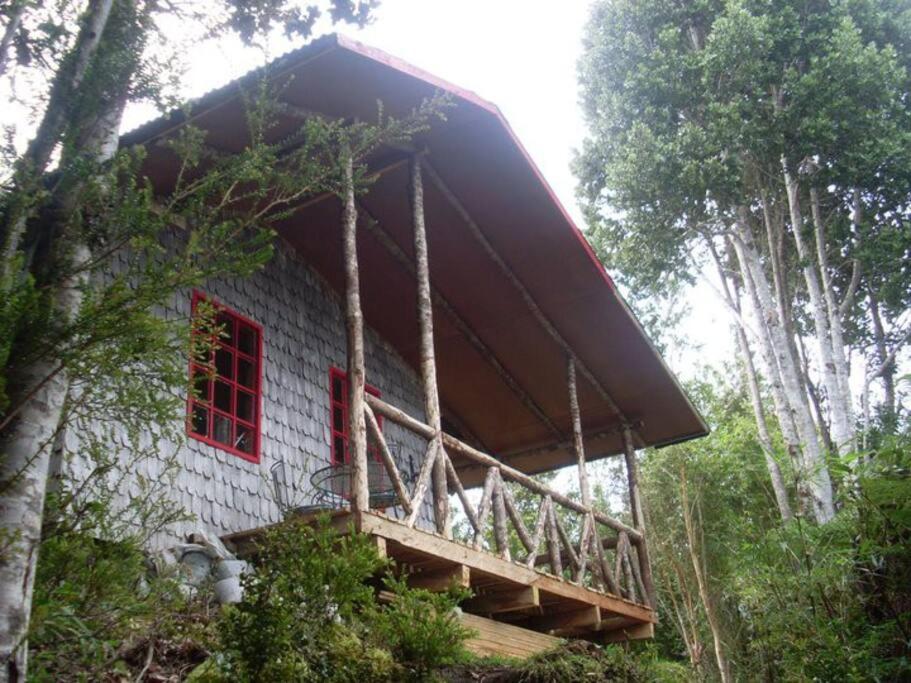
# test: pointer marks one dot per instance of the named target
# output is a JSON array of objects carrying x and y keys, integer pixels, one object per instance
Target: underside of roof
[{"x": 502, "y": 371}]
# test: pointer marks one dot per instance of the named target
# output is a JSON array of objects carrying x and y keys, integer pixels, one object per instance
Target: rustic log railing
[
  {"x": 570, "y": 538},
  {"x": 549, "y": 542}
]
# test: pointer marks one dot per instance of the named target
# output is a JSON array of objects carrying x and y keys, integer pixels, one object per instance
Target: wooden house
[{"x": 451, "y": 329}]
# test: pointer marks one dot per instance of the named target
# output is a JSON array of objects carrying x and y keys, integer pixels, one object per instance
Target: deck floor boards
[{"x": 417, "y": 552}]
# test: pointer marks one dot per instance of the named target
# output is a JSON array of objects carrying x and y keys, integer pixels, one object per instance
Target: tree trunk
[
  {"x": 882, "y": 355},
  {"x": 842, "y": 433},
  {"x": 836, "y": 333},
  {"x": 33, "y": 164},
  {"x": 798, "y": 411},
  {"x": 27, "y": 441},
  {"x": 752, "y": 383},
  {"x": 9, "y": 33},
  {"x": 694, "y": 546}
]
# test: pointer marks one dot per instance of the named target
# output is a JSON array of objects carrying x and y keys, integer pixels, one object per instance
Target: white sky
[{"x": 522, "y": 56}]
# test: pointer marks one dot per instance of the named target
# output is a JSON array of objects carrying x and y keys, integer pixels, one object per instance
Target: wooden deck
[{"x": 515, "y": 610}]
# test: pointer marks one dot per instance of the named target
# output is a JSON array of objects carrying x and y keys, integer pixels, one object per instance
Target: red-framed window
[
  {"x": 224, "y": 411},
  {"x": 338, "y": 415}
]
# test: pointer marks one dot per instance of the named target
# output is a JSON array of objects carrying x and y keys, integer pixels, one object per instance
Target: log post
[
  {"x": 635, "y": 501},
  {"x": 354, "y": 327},
  {"x": 578, "y": 444},
  {"x": 428, "y": 360}
]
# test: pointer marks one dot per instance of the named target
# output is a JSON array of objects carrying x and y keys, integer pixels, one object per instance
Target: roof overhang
[{"x": 482, "y": 173}]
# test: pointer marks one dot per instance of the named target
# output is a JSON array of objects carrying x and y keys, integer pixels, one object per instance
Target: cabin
[{"x": 411, "y": 357}]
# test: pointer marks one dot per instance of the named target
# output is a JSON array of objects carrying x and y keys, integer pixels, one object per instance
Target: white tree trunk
[
  {"x": 842, "y": 433},
  {"x": 765, "y": 439},
  {"x": 731, "y": 294},
  {"x": 27, "y": 442},
  {"x": 836, "y": 332},
  {"x": 795, "y": 409}
]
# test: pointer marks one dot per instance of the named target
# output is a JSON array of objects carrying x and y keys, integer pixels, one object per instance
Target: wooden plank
[
  {"x": 504, "y": 601},
  {"x": 506, "y": 640},
  {"x": 441, "y": 580},
  {"x": 480, "y": 561},
  {"x": 586, "y": 618},
  {"x": 627, "y": 633}
]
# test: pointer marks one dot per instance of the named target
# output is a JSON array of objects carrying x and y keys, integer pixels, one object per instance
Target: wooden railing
[{"x": 548, "y": 542}]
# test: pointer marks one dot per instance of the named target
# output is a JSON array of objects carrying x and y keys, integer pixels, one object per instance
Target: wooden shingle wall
[{"x": 303, "y": 335}]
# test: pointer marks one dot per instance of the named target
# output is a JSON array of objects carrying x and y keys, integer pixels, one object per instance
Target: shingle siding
[{"x": 303, "y": 336}]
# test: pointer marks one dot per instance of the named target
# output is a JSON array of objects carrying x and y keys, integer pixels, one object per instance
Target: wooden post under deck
[
  {"x": 354, "y": 328},
  {"x": 428, "y": 359},
  {"x": 635, "y": 501}
]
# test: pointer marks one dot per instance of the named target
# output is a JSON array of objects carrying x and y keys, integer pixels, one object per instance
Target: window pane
[
  {"x": 223, "y": 396},
  {"x": 224, "y": 363},
  {"x": 225, "y": 324},
  {"x": 338, "y": 420},
  {"x": 338, "y": 386},
  {"x": 245, "y": 406},
  {"x": 246, "y": 339},
  {"x": 202, "y": 385},
  {"x": 200, "y": 421},
  {"x": 244, "y": 440},
  {"x": 221, "y": 430},
  {"x": 246, "y": 373},
  {"x": 339, "y": 452}
]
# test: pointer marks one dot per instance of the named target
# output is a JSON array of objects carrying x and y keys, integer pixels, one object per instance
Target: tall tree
[
  {"x": 775, "y": 139},
  {"x": 72, "y": 201}
]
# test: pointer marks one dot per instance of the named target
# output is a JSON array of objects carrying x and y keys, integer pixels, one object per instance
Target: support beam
[
  {"x": 441, "y": 580},
  {"x": 504, "y": 601},
  {"x": 586, "y": 618},
  {"x": 390, "y": 245},
  {"x": 428, "y": 358},
  {"x": 543, "y": 320},
  {"x": 354, "y": 327},
  {"x": 635, "y": 498}
]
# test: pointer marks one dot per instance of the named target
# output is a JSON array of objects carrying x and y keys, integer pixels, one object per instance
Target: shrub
[
  {"x": 421, "y": 629},
  {"x": 581, "y": 662},
  {"x": 94, "y": 601},
  {"x": 301, "y": 613}
]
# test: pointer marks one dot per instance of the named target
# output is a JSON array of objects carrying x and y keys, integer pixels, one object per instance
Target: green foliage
[
  {"x": 93, "y": 598},
  {"x": 797, "y": 602},
  {"x": 295, "y": 621},
  {"x": 579, "y": 662},
  {"x": 309, "y": 614},
  {"x": 420, "y": 628}
]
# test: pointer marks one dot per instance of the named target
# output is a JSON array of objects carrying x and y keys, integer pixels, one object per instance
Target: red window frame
[
  {"x": 229, "y": 386},
  {"x": 338, "y": 409}
]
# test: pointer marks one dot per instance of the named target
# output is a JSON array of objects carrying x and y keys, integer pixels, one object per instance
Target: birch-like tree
[
  {"x": 770, "y": 143},
  {"x": 72, "y": 336}
]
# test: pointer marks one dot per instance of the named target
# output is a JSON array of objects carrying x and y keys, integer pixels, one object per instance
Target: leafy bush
[
  {"x": 581, "y": 662},
  {"x": 309, "y": 614},
  {"x": 95, "y": 600},
  {"x": 420, "y": 628}
]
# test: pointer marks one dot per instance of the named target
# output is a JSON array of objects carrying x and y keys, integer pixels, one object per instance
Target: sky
[{"x": 519, "y": 54}]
